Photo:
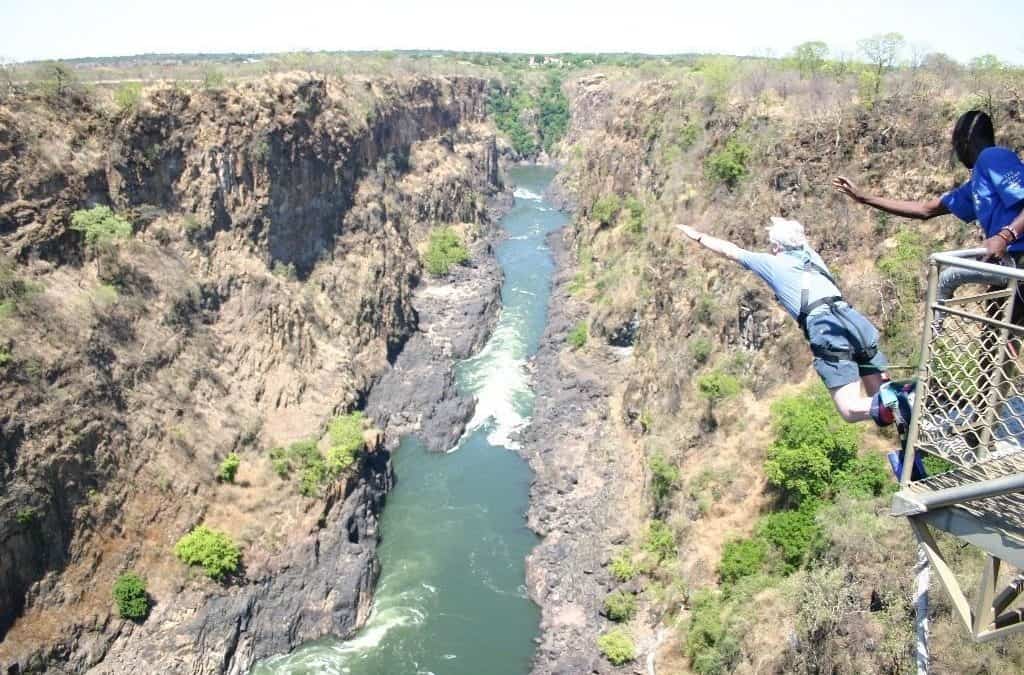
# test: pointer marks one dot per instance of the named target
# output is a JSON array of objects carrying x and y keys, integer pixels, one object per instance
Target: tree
[
  {"x": 810, "y": 57},
  {"x": 881, "y": 51},
  {"x": 942, "y": 66},
  {"x": 57, "y": 78},
  {"x": 986, "y": 71}
]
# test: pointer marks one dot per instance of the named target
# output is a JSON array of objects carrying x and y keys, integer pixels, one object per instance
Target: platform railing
[{"x": 970, "y": 393}]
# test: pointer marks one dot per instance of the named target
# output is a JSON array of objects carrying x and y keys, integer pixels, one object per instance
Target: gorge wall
[
  {"x": 708, "y": 356},
  {"x": 278, "y": 225}
]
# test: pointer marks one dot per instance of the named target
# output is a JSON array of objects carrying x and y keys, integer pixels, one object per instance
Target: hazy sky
[{"x": 39, "y": 29}]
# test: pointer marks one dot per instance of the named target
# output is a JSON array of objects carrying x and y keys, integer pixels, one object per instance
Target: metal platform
[{"x": 969, "y": 410}]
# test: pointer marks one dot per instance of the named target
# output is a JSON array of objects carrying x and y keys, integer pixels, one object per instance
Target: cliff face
[
  {"x": 268, "y": 284},
  {"x": 667, "y": 151}
]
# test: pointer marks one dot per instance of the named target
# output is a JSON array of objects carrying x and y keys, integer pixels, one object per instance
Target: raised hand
[
  {"x": 843, "y": 185},
  {"x": 689, "y": 232}
]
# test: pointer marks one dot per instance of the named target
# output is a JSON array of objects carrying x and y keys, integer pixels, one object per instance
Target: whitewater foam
[{"x": 528, "y": 195}]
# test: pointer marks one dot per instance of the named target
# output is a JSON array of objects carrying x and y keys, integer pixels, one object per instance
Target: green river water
[{"x": 451, "y": 597}]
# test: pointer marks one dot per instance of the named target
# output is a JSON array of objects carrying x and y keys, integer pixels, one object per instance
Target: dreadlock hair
[{"x": 972, "y": 133}]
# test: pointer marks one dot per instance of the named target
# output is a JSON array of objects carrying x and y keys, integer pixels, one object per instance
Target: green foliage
[
  {"x": 688, "y": 135},
  {"x": 553, "y": 117},
  {"x": 211, "y": 549},
  {"x": 26, "y": 516},
  {"x": 105, "y": 294},
  {"x": 660, "y": 540},
  {"x": 284, "y": 271},
  {"x": 865, "y": 476},
  {"x": 711, "y": 643},
  {"x": 620, "y": 606},
  {"x": 664, "y": 477},
  {"x": 56, "y": 79},
  {"x": 346, "y": 435},
  {"x": 606, "y": 208},
  {"x": 5, "y": 355},
  {"x": 811, "y": 442},
  {"x": 622, "y": 566},
  {"x": 130, "y": 595},
  {"x": 794, "y": 533},
  {"x": 936, "y": 465},
  {"x": 280, "y": 462},
  {"x": 128, "y": 96},
  {"x": 704, "y": 310},
  {"x": 729, "y": 165},
  {"x": 446, "y": 248},
  {"x": 617, "y": 646},
  {"x": 100, "y": 225},
  {"x": 634, "y": 210},
  {"x": 228, "y": 468},
  {"x": 577, "y": 337},
  {"x": 508, "y": 107},
  {"x": 741, "y": 558},
  {"x": 700, "y": 350},
  {"x": 718, "y": 386}
]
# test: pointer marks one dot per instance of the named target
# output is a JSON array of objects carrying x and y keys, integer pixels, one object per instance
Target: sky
[{"x": 47, "y": 29}]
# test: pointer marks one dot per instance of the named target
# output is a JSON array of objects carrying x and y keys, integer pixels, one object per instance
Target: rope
[{"x": 923, "y": 576}]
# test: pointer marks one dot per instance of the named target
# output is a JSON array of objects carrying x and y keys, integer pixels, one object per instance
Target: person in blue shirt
[
  {"x": 993, "y": 196},
  {"x": 844, "y": 343}
]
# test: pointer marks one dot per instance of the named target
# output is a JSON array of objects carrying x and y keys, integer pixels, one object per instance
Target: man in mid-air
[{"x": 844, "y": 343}]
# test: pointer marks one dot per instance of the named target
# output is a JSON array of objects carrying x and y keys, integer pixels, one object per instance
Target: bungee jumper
[{"x": 843, "y": 342}]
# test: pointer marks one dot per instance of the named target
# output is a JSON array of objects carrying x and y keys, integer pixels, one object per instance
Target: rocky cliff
[
  {"x": 688, "y": 414},
  {"x": 268, "y": 283}
]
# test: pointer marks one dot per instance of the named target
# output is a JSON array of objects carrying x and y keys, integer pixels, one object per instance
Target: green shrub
[
  {"x": 346, "y": 435},
  {"x": 865, "y": 476},
  {"x": 700, "y": 350},
  {"x": 729, "y": 165},
  {"x": 213, "y": 79},
  {"x": 100, "y": 225},
  {"x": 620, "y": 606},
  {"x": 446, "y": 248},
  {"x": 617, "y": 646},
  {"x": 5, "y": 356},
  {"x": 130, "y": 595},
  {"x": 711, "y": 643},
  {"x": 812, "y": 442},
  {"x": 664, "y": 477},
  {"x": 660, "y": 540},
  {"x": 26, "y": 515},
  {"x": 704, "y": 310},
  {"x": 228, "y": 468},
  {"x": 717, "y": 386},
  {"x": 936, "y": 465},
  {"x": 128, "y": 96},
  {"x": 506, "y": 106},
  {"x": 794, "y": 533},
  {"x": 211, "y": 549},
  {"x": 801, "y": 472},
  {"x": 742, "y": 558},
  {"x": 577, "y": 337},
  {"x": 280, "y": 462},
  {"x": 688, "y": 135},
  {"x": 634, "y": 210},
  {"x": 622, "y": 566},
  {"x": 605, "y": 209},
  {"x": 553, "y": 113}
]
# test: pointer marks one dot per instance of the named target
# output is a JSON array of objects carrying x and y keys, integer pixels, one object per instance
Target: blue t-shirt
[
  {"x": 784, "y": 272},
  {"x": 993, "y": 196}
]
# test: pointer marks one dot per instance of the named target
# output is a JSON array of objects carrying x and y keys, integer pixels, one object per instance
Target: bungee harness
[{"x": 865, "y": 352}]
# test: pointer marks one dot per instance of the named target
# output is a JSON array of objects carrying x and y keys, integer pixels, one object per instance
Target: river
[{"x": 451, "y": 597}]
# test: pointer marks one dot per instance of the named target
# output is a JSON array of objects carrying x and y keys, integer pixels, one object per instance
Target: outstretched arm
[
  {"x": 898, "y": 207},
  {"x": 724, "y": 248}
]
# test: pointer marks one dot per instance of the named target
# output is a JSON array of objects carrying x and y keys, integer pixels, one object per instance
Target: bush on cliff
[
  {"x": 228, "y": 468},
  {"x": 742, "y": 558},
  {"x": 100, "y": 225},
  {"x": 717, "y": 386},
  {"x": 446, "y": 248},
  {"x": 711, "y": 642},
  {"x": 346, "y": 434},
  {"x": 664, "y": 477},
  {"x": 812, "y": 444},
  {"x": 620, "y": 606},
  {"x": 605, "y": 209},
  {"x": 617, "y": 646},
  {"x": 577, "y": 337},
  {"x": 130, "y": 595},
  {"x": 212, "y": 550},
  {"x": 728, "y": 165}
]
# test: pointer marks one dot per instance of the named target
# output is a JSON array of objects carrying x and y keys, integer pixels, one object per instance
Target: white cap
[{"x": 786, "y": 233}]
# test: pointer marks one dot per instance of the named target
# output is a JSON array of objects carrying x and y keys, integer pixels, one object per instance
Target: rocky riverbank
[{"x": 588, "y": 476}]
